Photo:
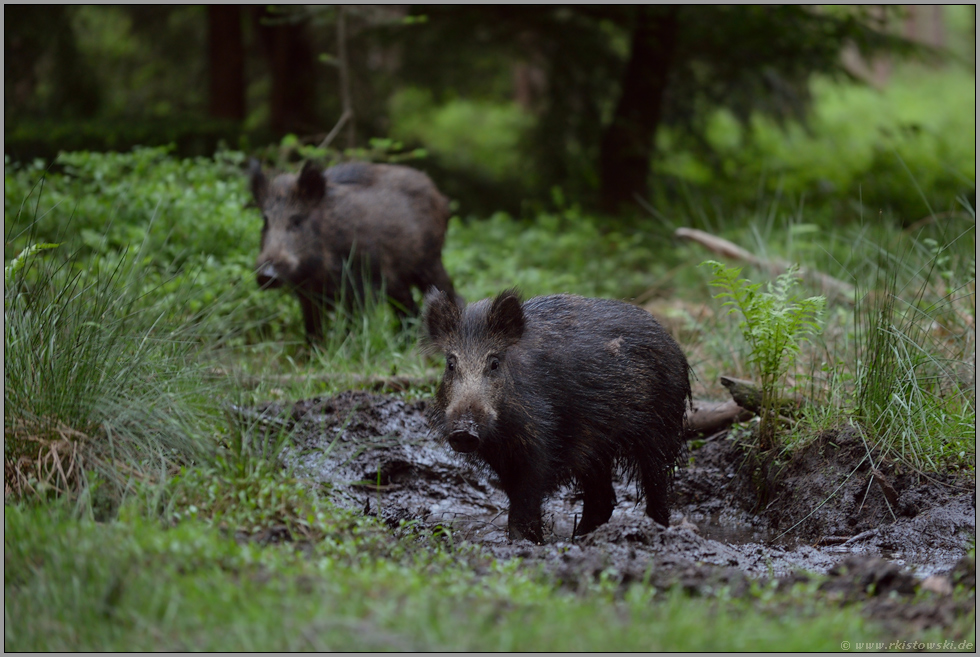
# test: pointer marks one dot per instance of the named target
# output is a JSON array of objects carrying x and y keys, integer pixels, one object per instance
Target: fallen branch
[
  {"x": 333, "y": 133},
  {"x": 860, "y": 537},
  {"x": 707, "y": 417},
  {"x": 748, "y": 395},
  {"x": 745, "y": 393},
  {"x": 732, "y": 251},
  {"x": 932, "y": 218}
]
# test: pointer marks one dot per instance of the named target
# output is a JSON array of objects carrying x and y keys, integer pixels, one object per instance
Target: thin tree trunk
[
  {"x": 226, "y": 59},
  {"x": 628, "y": 142},
  {"x": 292, "y": 67},
  {"x": 345, "y": 99}
]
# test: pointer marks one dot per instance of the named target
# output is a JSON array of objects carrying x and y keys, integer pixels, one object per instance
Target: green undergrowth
[
  {"x": 197, "y": 239},
  {"x": 138, "y": 585}
]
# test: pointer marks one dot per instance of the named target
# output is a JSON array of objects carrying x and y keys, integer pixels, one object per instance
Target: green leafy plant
[{"x": 774, "y": 324}]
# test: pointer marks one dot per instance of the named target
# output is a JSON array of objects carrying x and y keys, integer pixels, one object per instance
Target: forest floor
[{"x": 863, "y": 529}]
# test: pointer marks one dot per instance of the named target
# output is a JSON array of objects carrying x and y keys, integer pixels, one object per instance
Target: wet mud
[{"x": 834, "y": 509}]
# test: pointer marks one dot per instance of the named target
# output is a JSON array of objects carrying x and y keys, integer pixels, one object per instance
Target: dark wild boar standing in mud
[
  {"x": 347, "y": 229},
  {"x": 557, "y": 390}
]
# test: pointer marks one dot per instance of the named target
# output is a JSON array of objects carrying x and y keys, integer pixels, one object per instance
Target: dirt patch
[
  {"x": 734, "y": 519},
  {"x": 837, "y": 495}
]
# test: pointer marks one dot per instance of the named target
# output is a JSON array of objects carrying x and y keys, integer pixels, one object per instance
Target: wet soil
[{"x": 833, "y": 509}]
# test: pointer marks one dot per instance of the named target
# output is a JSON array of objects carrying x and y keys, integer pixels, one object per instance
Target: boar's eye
[
  {"x": 450, "y": 362},
  {"x": 296, "y": 220},
  {"x": 494, "y": 363}
]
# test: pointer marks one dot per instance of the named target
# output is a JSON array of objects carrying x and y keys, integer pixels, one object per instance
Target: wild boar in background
[{"x": 333, "y": 234}]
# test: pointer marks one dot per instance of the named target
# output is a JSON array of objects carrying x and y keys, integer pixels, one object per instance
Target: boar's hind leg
[
  {"x": 599, "y": 498},
  {"x": 435, "y": 275},
  {"x": 402, "y": 301},
  {"x": 656, "y": 478}
]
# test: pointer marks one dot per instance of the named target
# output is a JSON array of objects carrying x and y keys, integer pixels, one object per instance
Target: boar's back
[{"x": 351, "y": 173}]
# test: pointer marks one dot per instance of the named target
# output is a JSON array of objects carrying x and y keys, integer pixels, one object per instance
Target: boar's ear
[
  {"x": 260, "y": 186},
  {"x": 440, "y": 319},
  {"x": 311, "y": 186},
  {"x": 506, "y": 317}
]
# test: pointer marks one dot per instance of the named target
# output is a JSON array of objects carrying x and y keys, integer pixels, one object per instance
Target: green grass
[
  {"x": 135, "y": 585},
  {"x": 561, "y": 251}
]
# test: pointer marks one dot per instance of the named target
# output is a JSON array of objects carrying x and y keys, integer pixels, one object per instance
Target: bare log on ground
[
  {"x": 745, "y": 393},
  {"x": 749, "y": 396},
  {"x": 707, "y": 417},
  {"x": 732, "y": 251}
]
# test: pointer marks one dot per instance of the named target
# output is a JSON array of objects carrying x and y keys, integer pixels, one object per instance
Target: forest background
[{"x": 573, "y": 141}]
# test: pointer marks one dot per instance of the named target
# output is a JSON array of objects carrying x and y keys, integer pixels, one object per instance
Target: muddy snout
[
  {"x": 465, "y": 436},
  {"x": 268, "y": 276}
]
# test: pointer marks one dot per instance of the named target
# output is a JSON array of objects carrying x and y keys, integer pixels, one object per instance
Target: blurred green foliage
[
  {"x": 909, "y": 148},
  {"x": 29, "y": 139},
  {"x": 559, "y": 252}
]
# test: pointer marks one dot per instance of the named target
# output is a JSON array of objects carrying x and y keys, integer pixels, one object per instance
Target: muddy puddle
[{"x": 834, "y": 508}]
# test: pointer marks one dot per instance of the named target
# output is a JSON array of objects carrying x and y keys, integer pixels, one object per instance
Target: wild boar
[
  {"x": 557, "y": 390},
  {"x": 355, "y": 226}
]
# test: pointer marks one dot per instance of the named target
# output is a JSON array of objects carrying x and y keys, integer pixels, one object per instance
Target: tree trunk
[
  {"x": 292, "y": 66},
  {"x": 628, "y": 142},
  {"x": 226, "y": 63}
]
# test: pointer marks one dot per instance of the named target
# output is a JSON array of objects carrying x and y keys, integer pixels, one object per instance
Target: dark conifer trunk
[
  {"x": 226, "y": 63},
  {"x": 292, "y": 67},
  {"x": 627, "y": 144}
]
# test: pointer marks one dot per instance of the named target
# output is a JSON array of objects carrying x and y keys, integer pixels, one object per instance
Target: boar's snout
[
  {"x": 268, "y": 276},
  {"x": 465, "y": 436}
]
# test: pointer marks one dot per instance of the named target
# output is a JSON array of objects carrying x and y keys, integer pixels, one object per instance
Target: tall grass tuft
[
  {"x": 101, "y": 385},
  {"x": 916, "y": 366}
]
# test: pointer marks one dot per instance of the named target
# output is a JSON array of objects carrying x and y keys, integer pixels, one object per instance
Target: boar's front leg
[
  {"x": 524, "y": 517},
  {"x": 312, "y": 318}
]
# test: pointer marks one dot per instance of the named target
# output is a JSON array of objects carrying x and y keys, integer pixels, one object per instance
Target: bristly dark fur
[
  {"x": 560, "y": 389},
  {"x": 336, "y": 233}
]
